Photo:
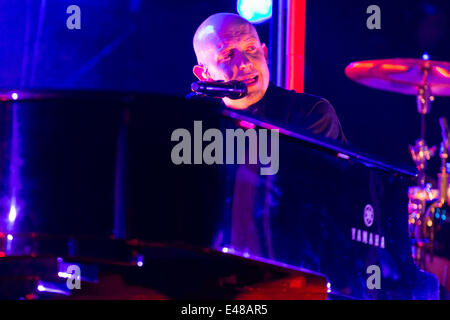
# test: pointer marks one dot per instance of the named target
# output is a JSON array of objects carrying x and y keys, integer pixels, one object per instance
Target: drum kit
[{"x": 425, "y": 79}]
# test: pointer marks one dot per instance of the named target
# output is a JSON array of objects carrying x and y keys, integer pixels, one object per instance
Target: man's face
[{"x": 234, "y": 52}]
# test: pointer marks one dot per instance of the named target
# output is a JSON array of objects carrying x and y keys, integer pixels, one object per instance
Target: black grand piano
[{"x": 92, "y": 183}]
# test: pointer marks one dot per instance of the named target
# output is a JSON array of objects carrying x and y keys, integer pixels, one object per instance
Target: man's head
[{"x": 228, "y": 48}]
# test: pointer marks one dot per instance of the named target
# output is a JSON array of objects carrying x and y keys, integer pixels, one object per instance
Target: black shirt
[
  {"x": 251, "y": 199},
  {"x": 308, "y": 112}
]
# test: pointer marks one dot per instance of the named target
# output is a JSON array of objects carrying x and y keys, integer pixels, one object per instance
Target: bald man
[{"x": 228, "y": 48}]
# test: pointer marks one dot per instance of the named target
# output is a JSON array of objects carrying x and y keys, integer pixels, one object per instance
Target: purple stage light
[
  {"x": 63, "y": 275},
  {"x": 12, "y": 214},
  {"x": 51, "y": 288},
  {"x": 14, "y": 167},
  {"x": 140, "y": 260}
]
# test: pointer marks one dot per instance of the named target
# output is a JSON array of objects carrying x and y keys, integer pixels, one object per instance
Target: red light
[
  {"x": 363, "y": 65},
  {"x": 2, "y": 254},
  {"x": 295, "y": 45},
  {"x": 246, "y": 124},
  {"x": 443, "y": 72},
  {"x": 393, "y": 67}
]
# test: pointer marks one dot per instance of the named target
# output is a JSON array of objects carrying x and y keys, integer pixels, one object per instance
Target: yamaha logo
[
  {"x": 365, "y": 236},
  {"x": 368, "y": 215}
]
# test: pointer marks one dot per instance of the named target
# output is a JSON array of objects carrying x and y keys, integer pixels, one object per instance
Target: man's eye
[
  {"x": 228, "y": 55},
  {"x": 251, "y": 49}
]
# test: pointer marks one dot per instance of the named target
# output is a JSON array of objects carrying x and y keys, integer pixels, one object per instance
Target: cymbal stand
[{"x": 420, "y": 220}]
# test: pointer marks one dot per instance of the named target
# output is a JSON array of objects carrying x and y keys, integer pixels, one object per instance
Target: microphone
[{"x": 219, "y": 89}]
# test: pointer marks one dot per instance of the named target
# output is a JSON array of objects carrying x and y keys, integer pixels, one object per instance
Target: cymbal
[{"x": 402, "y": 75}]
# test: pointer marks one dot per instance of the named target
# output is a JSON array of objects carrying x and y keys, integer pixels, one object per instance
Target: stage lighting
[{"x": 255, "y": 11}]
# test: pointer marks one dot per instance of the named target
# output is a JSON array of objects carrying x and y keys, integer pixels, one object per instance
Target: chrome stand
[{"x": 420, "y": 220}]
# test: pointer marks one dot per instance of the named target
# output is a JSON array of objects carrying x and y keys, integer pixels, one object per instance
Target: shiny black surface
[{"x": 95, "y": 163}]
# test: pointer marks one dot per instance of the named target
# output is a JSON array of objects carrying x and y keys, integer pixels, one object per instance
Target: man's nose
[{"x": 244, "y": 63}]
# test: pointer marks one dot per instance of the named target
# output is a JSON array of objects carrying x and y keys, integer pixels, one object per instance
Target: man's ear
[
  {"x": 264, "y": 47},
  {"x": 201, "y": 72}
]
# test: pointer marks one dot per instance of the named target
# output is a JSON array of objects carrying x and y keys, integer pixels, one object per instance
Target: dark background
[
  {"x": 132, "y": 45},
  {"x": 379, "y": 122}
]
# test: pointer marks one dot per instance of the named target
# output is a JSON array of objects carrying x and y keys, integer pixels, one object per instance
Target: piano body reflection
[{"x": 96, "y": 186}]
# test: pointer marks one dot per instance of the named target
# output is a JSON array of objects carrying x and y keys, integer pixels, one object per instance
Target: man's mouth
[{"x": 250, "y": 81}]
